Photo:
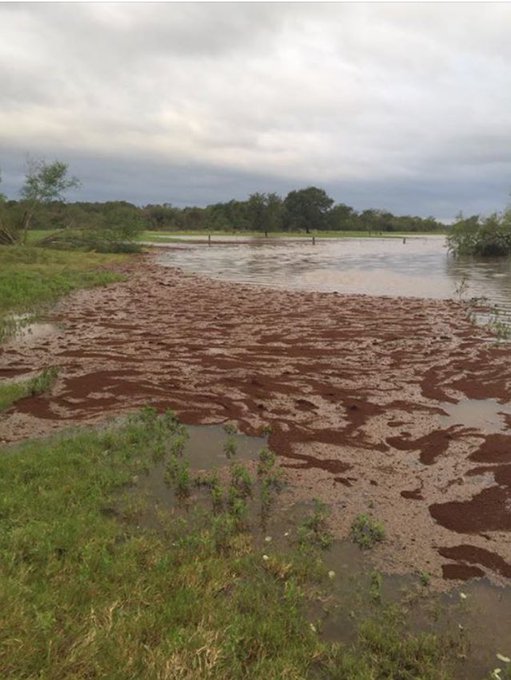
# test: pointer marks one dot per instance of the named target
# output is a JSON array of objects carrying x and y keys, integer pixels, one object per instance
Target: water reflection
[{"x": 421, "y": 267}]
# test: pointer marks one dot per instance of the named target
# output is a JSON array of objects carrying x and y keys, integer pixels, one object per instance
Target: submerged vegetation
[
  {"x": 484, "y": 237},
  {"x": 98, "y": 594}
]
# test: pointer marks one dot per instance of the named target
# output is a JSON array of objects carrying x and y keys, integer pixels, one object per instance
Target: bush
[{"x": 488, "y": 237}]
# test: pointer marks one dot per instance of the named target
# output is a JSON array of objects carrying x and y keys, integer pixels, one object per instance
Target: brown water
[
  {"x": 419, "y": 267},
  {"x": 487, "y": 415}
]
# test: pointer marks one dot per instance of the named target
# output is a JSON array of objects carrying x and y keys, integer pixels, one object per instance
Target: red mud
[{"x": 344, "y": 382}]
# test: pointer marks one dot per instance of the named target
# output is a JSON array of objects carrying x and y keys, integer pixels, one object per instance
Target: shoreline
[{"x": 354, "y": 388}]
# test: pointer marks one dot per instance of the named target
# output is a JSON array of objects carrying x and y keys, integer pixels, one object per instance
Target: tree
[
  {"x": 307, "y": 208},
  {"x": 488, "y": 237},
  {"x": 340, "y": 217},
  {"x": 44, "y": 182}
]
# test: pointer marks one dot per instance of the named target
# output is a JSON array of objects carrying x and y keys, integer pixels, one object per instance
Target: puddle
[
  {"x": 487, "y": 415},
  {"x": 25, "y": 328},
  {"x": 478, "y": 611},
  {"x": 36, "y": 331},
  {"x": 204, "y": 451}
]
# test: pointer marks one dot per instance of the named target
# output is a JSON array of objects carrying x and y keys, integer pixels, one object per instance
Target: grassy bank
[
  {"x": 31, "y": 277},
  {"x": 87, "y": 592},
  {"x": 11, "y": 392}
]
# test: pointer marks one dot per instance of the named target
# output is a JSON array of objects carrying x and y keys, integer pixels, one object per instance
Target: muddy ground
[{"x": 354, "y": 388}]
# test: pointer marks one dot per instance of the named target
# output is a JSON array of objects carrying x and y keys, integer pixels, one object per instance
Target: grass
[
  {"x": 32, "y": 277},
  {"x": 14, "y": 391},
  {"x": 85, "y": 592},
  {"x": 366, "y": 532}
]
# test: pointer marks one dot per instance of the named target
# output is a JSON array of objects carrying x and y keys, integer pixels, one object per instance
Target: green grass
[
  {"x": 366, "y": 532},
  {"x": 11, "y": 392},
  {"x": 31, "y": 277},
  {"x": 85, "y": 592}
]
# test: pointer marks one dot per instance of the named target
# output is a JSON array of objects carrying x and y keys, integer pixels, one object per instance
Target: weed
[
  {"x": 241, "y": 481},
  {"x": 366, "y": 532},
  {"x": 177, "y": 474},
  {"x": 178, "y": 444},
  {"x": 461, "y": 288},
  {"x": 314, "y": 529},
  {"x": 230, "y": 447},
  {"x": 375, "y": 587},
  {"x": 267, "y": 460},
  {"x": 424, "y": 578},
  {"x": 230, "y": 428},
  {"x": 12, "y": 392}
]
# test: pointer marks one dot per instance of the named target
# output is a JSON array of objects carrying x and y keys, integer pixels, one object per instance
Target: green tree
[
  {"x": 307, "y": 209},
  {"x": 487, "y": 237},
  {"x": 44, "y": 183},
  {"x": 340, "y": 217}
]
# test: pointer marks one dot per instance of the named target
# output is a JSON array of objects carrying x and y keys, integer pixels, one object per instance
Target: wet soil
[{"x": 353, "y": 388}]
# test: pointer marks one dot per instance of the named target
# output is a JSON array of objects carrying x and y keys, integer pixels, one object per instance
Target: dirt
[{"x": 350, "y": 387}]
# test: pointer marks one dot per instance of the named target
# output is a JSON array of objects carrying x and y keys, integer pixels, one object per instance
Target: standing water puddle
[
  {"x": 487, "y": 415},
  {"x": 478, "y": 612}
]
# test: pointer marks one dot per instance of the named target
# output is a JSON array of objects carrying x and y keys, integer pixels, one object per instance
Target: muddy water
[
  {"x": 478, "y": 611},
  {"x": 487, "y": 415},
  {"x": 418, "y": 267}
]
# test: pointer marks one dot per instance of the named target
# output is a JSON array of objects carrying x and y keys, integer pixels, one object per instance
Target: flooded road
[{"x": 418, "y": 266}]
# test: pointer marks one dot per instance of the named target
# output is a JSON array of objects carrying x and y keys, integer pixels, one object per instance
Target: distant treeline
[{"x": 302, "y": 210}]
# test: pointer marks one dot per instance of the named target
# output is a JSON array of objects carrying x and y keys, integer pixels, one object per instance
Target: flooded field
[
  {"x": 412, "y": 267},
  {"x": 478, "y": 612}
]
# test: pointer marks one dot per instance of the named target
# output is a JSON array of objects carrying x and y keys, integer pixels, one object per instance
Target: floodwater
[
  {"x": 418, "y": 266},
  {"x": 487, "y": 415},
  {"x": 478, "y": 612}
]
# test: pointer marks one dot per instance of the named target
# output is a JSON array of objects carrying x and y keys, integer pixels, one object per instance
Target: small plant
[
  {"x": 177, "y": 474},
  {"x": 223, "y": 529},
  {"x": 314, "y": 529},
  {"x": 211, "y": 482},
  {"x": 267, "y": 460},
  {"x": 178, "y": 444},
  {"x": 43, "y": 381},
  {"x": 241, "y": 481},
  {"x": 230, "y": 448},
  {"x": 230, "y": 428},
  {"x": 424, "y": 578},
  {"x": 375, "y": 587},
  {"x": 238, "y": 510},
  {"x": 148, "y": 415},
  {"x": 366, "y": 532},
  {"x": 461, "y": 288},
  {"x": 266, "y": 430}
]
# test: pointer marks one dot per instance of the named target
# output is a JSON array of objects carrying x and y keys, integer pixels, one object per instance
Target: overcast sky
[{"x": 388, "y": 105}]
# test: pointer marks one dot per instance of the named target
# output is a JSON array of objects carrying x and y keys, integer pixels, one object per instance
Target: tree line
[{"x": 42, "y": 206}]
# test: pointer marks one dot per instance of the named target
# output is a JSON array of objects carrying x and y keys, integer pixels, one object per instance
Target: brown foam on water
[
  {"x": 345, "y": 382},
  {"x": 479, "y": 556}
]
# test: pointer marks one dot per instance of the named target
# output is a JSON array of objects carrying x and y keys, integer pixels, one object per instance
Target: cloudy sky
[{"x": 388, "y": 105}]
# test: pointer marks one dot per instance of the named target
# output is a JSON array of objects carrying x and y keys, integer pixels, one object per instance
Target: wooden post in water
[
  {"x": 209, "y": 239},
  {"x": 404, "y": 239},
  {"x": 313, "y": 240}
]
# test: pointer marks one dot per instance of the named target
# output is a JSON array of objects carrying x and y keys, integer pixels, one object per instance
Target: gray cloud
[{"x": 403, "y": 106}]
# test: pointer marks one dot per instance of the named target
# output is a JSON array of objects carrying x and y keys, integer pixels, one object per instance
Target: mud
[{"x": 352, "y": 387}]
